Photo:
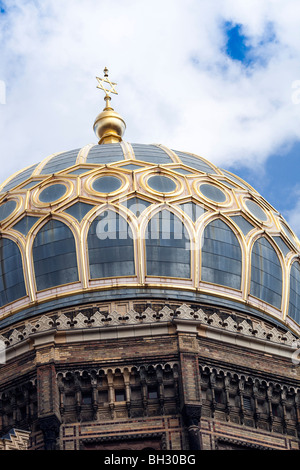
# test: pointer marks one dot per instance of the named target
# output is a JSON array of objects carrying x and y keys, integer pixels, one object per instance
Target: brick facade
[{"x": 165, "y": 382}]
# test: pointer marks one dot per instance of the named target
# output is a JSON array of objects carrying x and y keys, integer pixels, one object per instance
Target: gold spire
[{"x": 109, "y": 127}]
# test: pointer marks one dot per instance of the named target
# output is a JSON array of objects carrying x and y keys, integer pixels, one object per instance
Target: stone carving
[
  {"x": 184, "y": 311},
  {"x": 98, "y": 319}
]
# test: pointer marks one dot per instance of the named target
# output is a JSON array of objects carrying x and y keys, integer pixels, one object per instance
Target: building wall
[{"x": 152, "y": 378}]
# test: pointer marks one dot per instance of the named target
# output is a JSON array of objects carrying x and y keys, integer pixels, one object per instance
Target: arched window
[
  {"x": 294, "y": 305},
  {"x": 266, "y": 273},
  {"x": 12, "y": 285},
  {"x": 221, "y": 256},
  {"x": 54, "y": 256},
  {"x": 167, "y": 246},
  {"x": 110, "y": 247}
]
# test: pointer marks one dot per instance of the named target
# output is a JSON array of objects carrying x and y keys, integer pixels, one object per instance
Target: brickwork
[
  {"x": 167, "y": 384},
  {"x": 47, "y": 391},
  {"x": 217, "y": 435},
  {"x": 165, "y": 431},
  {"x": 245, "y": 358}
]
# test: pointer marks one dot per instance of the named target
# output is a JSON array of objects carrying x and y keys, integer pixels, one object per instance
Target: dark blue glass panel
[
  {"x": 229, "y": 185},
  {"x": 19, "y": 178},
  {"x": 181, "y": 171},
  {"x": 294, "y": 304},
  {"x": 12, "y": 285},
  {"x": 54, "y": 256},
  {"x": 235, "y": 179},
  {"x": 151, "y": 154},
  {"x": 256, "y": 210},
  {"x": 167, "y": 247},
  {"x": 79, "y": 210},
  {"x": 131, "y": 166},
  {"x": 282, "y": 245},
  {"x": 79, "y": 171},
  {"x": 288, "y": 232},
  {"x": 6, "y": 209},
  {"x": 25, "y": 224},
  {"x": 194, "y": 211},
  {"x": 266, "y": 273},
  {"x": 195, "y": 162},
  {"x": 136, "y": 205},
  {"x": 242, "y": 223},
  {"x": 221, "y": 256},
  {"x": 104, "y": 154},
  {"x": 52, "y": 193},
  {"x": 212, "y": 192},
  {"x": 107, "y": 184},
  {"x": 31, "y": 184},
  {"x": 60, "y": 162},
  {"x": 161, "y": 184},
  {"x": 110, "y": 247}
]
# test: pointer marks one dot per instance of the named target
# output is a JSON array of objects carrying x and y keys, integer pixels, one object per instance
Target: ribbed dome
[{"x": 124, "y": 220}]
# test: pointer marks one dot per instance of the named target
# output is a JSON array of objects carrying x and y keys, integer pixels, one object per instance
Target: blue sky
[
  {"x": 278, "y": 180},
  {"x": 217, "y": 78}
]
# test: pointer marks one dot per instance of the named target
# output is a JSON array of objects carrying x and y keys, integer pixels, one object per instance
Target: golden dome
[
  {"x": 131, "y": 220},
  {"x": 134, "y": 220}
]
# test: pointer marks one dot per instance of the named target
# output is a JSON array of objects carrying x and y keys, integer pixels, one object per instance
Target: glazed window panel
[
  {"x": 110, "y": 247},
  {"x": 60, "y": 162},
  {"x": 19, "y": 178},
  {"x": 266, "y": 273},
  {"x": 221, "y": 256},
  {"x": 195, "y": 162},
  {"x": 294, "y": 304},
  {"x": 12, "y": 285},
  {"x": 103, "y": 154},
  {"x": 150, "y": 154},
  {"x": 54, "y": 256},
  {"x": 167, "y": 246}
]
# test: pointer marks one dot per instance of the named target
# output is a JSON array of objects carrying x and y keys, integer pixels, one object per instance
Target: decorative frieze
[{"x": 102, "y": 319}]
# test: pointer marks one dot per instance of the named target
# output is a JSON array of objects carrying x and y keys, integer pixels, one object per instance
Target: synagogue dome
[{"x": 119, "y": 220}]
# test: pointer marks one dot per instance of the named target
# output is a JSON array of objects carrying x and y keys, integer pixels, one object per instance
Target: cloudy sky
[{"x": 219, "y": 78}]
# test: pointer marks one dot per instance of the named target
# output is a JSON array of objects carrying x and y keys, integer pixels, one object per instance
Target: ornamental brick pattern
[{"x": 180, "y": 378}]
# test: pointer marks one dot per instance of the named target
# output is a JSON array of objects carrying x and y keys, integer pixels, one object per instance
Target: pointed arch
[
  {"x": 294, "y": 297},
  {"x": 221, "y": 255},
  {"x": 110, "y": 246},
  {"x": 167, "y": 246},
  {"x": 12, "y": 283},
  {"x": 266, "y": 273},
  {"x": 54, "y": 256}
]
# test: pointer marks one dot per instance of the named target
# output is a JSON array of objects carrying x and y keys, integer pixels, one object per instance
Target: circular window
[
  {"x": 52, "y": 193},
  {"x": 162, "y": 184},
  {"x": 255, "y": 210},
  {"x": 7, "y": 209},
  {"x": 212, "y": 192},
  {"x": 107, "y": 184}
]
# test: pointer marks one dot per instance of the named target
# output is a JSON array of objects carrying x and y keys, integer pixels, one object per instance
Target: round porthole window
[
  {"x": 212, "y": 192},
  {"x": 52, "y": 193},
  {"x": 107, "y": 184},
  {"x": 257, "y": 211},
  {"x": 7, "y": 209},
  {"x": 162, "y": 184}
]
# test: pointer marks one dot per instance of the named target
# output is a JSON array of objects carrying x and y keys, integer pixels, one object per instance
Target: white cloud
[{"x": 176, "y": 85}]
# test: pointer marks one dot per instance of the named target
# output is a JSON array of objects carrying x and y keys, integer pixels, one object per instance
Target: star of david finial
[
  {"x": 107, "y": 86},
  {"x": 109, "y": 126}
]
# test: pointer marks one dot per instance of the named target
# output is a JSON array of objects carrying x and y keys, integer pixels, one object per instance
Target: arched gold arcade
[
  {"x": 140, "y": 276},
  {"x": 136, "y": 184}
]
